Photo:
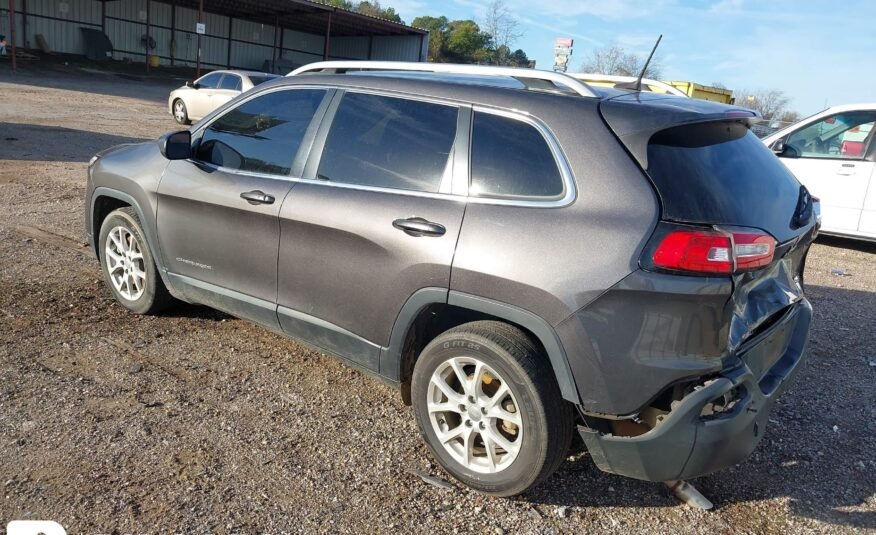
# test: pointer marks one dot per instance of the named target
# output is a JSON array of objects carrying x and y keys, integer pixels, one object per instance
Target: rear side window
[
  {"x": 389, "y": 142},
  {"x": 261, "y": 135},
  {"x": 510, "y": 159},
  {"x": 231, "y": 82},
  {"x": 721, "y": 173}
]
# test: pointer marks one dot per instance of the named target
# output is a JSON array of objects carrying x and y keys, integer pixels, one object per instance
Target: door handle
[
  {"x": 846, "y": 169},
  {"x": 417, "y": 226},
  {"x": 257, "y": 197}
]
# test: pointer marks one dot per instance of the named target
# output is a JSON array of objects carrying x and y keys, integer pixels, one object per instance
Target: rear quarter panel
[{"x": 553, "y": 261}]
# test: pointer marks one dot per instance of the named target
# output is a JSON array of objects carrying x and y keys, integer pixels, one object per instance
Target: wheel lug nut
[
  {"x": 468, "y": 423},
  {"x": 481, "y": 425},
  {"x": 483, "y": 410},
  {"x": 463, "y": 408},
  {"x": 471, "y": 399}
]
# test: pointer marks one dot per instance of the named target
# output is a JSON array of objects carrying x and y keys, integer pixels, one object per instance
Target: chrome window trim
[{"x": 569, "y": 190}]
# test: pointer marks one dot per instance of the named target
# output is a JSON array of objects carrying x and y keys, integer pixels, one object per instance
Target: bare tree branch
[{"x": 614, "y": 59}]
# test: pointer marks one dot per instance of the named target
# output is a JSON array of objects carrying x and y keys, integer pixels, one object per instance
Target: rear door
[
  {"x": 373, "y": 221},
  {"x": 720, "y": 174},
  {"x": 218, "y": 223},
  {"x": 828, "y": 157}
]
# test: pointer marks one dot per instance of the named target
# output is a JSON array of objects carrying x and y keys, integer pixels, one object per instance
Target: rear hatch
[{"x": 717, "y": 181}]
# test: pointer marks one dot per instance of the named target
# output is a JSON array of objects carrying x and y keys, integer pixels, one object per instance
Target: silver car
[{"x": 192, "y": 102}]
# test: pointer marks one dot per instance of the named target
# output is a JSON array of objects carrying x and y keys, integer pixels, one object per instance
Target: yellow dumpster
[{"x": 703, "y": 92}]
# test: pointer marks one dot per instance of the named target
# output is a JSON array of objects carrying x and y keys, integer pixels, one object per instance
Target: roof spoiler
[{"x": 636, "y": 117}]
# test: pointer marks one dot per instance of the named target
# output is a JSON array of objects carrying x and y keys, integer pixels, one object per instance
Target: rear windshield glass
[
  {"x": 721, "y": 173},
  {"x": 256, "y": 80}
]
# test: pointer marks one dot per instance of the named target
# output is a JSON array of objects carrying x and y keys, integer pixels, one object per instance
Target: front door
[
  {"x": 371, "y": 225},
  {"x": 200, "y": 101},
  {"x": 218, "y": 225},
  {"x": 828, "y": 157}
]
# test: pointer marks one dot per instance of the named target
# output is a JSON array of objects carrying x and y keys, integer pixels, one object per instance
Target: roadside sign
[
  {"x": 566, "y": 42},
  {"x": 200, "y": 28}
]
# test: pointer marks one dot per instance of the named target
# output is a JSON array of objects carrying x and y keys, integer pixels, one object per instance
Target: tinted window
[
  {"x": 389, "y": 142},
  {"x": 211, "y": 81},
  {"x": 262, "y": 134},
  {"x": 721, "y": 173},
  {"x": 230, "y": 81},
  {"x": 511, "y": 159},
  {"x": 844, "y": 135}
]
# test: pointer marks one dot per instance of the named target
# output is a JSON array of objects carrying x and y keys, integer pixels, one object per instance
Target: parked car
[
  {"x": 834, "y": 155},
  {"x": 518, "y": 261},
  {"x": 192, "y": 102}
]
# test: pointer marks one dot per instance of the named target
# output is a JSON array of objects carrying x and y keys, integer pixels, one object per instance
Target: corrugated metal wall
[{"x": 250, "y": 44}]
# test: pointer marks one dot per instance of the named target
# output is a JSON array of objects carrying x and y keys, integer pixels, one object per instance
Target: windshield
[{"x": 256, "y": 80}]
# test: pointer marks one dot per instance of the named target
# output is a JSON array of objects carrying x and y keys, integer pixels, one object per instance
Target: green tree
[
  {"x": 437, "y": 27},
  {"x": 371, "y": 8},
  {"x": 374, "y": 9},
  {"x": 464, "y": 40}
]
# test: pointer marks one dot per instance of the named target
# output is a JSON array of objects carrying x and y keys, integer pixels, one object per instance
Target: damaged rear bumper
[{"x": 687, "y": 443}]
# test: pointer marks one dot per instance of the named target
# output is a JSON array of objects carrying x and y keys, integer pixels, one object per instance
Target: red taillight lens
[
  {"x": 707, "y": 251},
  {"x": 698, "y": 250}
]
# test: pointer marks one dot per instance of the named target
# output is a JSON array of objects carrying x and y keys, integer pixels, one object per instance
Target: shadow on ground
[
  {"x": 94, "y": 78},
  {"x": 30, "y": 142}
]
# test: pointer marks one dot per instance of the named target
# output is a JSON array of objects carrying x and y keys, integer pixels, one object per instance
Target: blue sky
[{"x": 816, "y": 51}]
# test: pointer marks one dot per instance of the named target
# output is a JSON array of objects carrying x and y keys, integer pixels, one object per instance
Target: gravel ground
[{"x": 197, "y": 422}]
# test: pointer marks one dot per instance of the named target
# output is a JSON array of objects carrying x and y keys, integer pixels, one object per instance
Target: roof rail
[{"x": 558, "y": 79}]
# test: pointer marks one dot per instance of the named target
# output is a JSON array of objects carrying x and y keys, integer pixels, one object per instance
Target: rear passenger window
[
  {"x": 389, "y": 142},
  {"x": 231, "y": 82},
  {"x": 510, "y": 159},
  {"x": 261, "y": 135}
]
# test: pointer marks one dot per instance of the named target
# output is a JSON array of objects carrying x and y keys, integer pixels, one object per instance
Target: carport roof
[{"x": 304, "y": 16}]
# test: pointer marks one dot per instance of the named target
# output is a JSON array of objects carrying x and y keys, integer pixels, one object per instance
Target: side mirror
[
  {"x": 782, "y": 150},
  {"x": 196, "y": 85},
  {"x": 176, "y": 145},
  {"x": 778, "y": 146}
]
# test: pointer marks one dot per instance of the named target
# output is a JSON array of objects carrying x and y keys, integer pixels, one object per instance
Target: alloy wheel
[
  {"x": 474, "y": 415},
  {"x": 125, "y": 263}
]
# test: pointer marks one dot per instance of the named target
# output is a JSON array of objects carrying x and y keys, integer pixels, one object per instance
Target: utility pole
[
  {"x": 200, "y": 37},
  {"x": 12, "y": 31}
]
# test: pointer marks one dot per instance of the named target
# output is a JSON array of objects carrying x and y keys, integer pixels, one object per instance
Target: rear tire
[
  {"x": 500, "y": 451},
  {"x": 128, "y": 266}
]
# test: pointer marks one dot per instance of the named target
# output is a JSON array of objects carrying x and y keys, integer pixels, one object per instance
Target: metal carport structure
[{"x": 237, "y": 33}]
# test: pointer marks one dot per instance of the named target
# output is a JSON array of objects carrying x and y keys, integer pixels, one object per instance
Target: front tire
[
  {"x": 128, "y": 266},
  {"x": 180, "y": 112},
  {"x": 489, "y": 408}
]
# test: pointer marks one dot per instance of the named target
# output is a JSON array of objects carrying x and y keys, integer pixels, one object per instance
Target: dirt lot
[{"x": 197, "y": 422}]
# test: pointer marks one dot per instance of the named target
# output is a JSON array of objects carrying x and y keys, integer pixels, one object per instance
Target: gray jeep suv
[{"x": 520, "y": 255}]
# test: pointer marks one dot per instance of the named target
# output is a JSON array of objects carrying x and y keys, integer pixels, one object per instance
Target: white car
[
  {"x": 192, "y": 102},
  {"x": 833, "y": 154}
]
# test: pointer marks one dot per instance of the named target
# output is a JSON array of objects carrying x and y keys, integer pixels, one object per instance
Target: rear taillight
[{"x": 712, "y": 251}]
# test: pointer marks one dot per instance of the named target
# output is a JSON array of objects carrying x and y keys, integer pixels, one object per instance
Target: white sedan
[
  {"x": 192, "y": 102},
  {"x": 834, "y": 155}
]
